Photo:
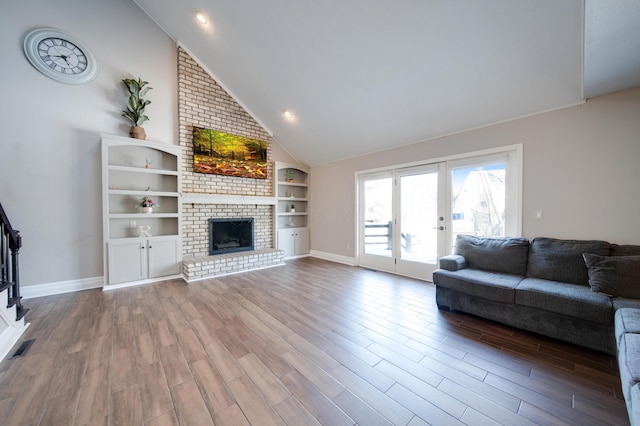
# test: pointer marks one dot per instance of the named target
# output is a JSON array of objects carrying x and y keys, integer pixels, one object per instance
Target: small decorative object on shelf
[
  {"x": 147, "y": 163},
  {"x": 292, "y": 209},
  {"x": 145, "y": 231},
  {"x": 290, "y": 175},
  {"x": 136, "y": 106},
  {"x": 147, "y": 205}
]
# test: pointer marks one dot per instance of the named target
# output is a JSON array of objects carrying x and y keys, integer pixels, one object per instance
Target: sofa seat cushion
[
  {"x": 506, "y": 255},
  {"x": 627, "y": 320},
  {"x": 475, "y": 282},
  {"x": 563, "y": 298},
  {"x": 561, "y": 260},
  {"x": 629, "y": 361}
]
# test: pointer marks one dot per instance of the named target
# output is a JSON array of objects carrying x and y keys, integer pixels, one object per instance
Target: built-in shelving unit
[
  {"x": 291, "y": 187},
  {"x": 132, "y": 169}
]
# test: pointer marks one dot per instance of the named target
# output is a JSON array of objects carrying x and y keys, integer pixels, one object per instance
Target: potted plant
[
  {"x": 147, "y": 204},
  {"x": 136, "y": 105}
]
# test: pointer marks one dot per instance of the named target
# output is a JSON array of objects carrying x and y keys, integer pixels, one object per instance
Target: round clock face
[{"x": 59, "y": 56}]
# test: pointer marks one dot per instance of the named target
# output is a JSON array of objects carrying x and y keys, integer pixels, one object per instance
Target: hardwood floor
[{"x": 312, "y": 342}]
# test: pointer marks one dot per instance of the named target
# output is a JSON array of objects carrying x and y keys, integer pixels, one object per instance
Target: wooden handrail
[
  {"x": 10, "y": 244},
  {"x": 15, "y": 240}
]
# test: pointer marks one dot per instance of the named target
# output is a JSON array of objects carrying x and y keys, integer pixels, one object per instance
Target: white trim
[
  {"x": 297, "y": 256},
  {"x": 49, "y": 289},
  {"x": 230, "y": 273},
  {"x": 464, "y": 155},
  {"x": 11, "y": 329},
  {"x": 10, "y": 336},
  {"x": 193, "y": 198},
  {"x": 351, "y": 261},
  {"x": 141, "y": 282}
]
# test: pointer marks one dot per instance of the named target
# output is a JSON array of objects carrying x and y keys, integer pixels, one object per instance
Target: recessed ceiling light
[
  {"x": 201, "y": 18},
  {"x": 288, "y": 115}
]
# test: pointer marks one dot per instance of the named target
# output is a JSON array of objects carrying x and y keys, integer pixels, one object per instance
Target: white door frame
[{"x": 514, "y": 158}]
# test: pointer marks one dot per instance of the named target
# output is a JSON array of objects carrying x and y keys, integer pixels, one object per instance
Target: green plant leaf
[{"x": 135, "y": 103}]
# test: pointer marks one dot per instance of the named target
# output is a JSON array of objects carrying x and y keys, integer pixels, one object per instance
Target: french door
[
  {"x": 402, "y": 220},
  {"x": 409, "y": 217}
]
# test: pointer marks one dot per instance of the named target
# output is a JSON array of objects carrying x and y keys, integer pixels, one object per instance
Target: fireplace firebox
[{"x": 230, "y": 235}]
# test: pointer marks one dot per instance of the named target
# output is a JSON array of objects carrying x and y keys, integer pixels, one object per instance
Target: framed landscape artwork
[{"x": 220, "y": 153}]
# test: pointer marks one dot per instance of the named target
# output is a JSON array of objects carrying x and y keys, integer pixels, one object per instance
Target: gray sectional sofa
[{"x": 584, "y": 292}]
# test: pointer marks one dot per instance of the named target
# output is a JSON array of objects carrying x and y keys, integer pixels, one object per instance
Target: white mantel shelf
[{"x": 188, "y": 198}]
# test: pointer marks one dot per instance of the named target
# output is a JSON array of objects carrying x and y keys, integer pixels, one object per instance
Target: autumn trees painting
[{"x": 221, "y": 153}]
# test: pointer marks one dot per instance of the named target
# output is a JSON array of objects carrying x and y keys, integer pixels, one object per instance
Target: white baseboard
[
  {"x": 10, "y": 329},
  {"x": 141, "y": 282},
  {"x": 351, "y": 261},
  {"x": 10, "y": 336},
  {"x": 49, "y": 289}
]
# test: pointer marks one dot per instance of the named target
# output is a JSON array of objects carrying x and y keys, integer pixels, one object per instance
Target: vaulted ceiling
[{"x": 366, "y": 75}]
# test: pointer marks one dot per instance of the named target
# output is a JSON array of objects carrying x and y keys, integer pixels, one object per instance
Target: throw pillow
[{"x": 614, "y": 275}]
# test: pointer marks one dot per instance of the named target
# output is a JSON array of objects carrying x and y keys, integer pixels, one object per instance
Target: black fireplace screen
[{"x": 230, "y": 235}]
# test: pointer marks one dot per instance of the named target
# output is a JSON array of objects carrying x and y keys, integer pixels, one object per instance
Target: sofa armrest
[{"x": 453, "y": 262}]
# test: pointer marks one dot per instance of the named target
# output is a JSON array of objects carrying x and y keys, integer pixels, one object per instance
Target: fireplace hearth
[{"x": 230, "y": 235}]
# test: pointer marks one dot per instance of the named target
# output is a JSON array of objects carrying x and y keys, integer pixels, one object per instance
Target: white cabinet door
[
  {"x": 294, "y": 241},
  {"x": 135, "y": 259},
  {"x": 164, "y": 255},
  {"x": 127, "y": 260},
  {"x": 301, "y": 241},
  {"x": 286, "y": 241}
]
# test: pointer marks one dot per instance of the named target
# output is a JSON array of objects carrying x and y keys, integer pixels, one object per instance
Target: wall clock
[{"x": 60, "y": 56}]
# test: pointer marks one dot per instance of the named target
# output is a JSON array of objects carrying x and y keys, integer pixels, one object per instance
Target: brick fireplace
[
  {"x": 195, "y": 225},
  {"x": 202, "y": 102}
]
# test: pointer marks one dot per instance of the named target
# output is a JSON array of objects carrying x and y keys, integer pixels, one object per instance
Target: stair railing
[{"x": 10, "y": 244}]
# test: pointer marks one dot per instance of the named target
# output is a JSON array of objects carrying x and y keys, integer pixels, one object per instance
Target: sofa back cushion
[
  {"x": 561, "y": 260},
  {"x": 625, "y": 250},
  {"x": 505, "y": 255},
  {"x": 617, "y": 276}
]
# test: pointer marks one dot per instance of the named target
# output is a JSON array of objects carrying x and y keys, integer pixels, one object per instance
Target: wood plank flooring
[{"x": 309, "y": 343}]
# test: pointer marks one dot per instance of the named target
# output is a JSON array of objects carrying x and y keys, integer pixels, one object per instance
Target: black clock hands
[{"x": 61, "y": 56}]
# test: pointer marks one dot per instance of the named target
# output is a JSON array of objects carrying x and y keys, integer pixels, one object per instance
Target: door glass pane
[
  {"x": 377, "y": 217},
  {"x": 419, "y": 217},
  {"x": 478, "y": 201}
]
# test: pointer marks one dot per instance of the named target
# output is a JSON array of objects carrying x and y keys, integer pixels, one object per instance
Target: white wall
[
  {"x": 581, "y": 167},
  {"x": 50, "y": 132}
]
